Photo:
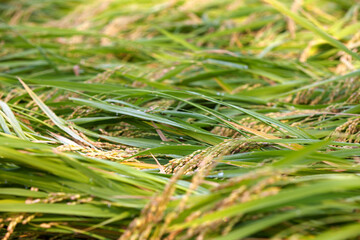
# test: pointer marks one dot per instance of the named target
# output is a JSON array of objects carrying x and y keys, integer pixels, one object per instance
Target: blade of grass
[
  {"x": 308, "y": 25},
  {"x": 55, "y": 119}
]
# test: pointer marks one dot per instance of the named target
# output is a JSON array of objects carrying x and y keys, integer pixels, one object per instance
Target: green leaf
[{"x": 308, "y": 25}]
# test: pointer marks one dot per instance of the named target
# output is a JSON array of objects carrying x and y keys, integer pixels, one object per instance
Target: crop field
[{"x": 180, "y": 119}]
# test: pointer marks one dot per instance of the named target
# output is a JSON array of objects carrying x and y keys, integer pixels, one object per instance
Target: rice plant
[{"x": 180, "y": 119}]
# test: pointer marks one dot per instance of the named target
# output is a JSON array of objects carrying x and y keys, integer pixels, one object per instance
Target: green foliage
[{"x": 175, "y": 120}]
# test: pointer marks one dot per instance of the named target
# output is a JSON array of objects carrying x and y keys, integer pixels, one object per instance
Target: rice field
[{"x": 180, "y": 119}]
